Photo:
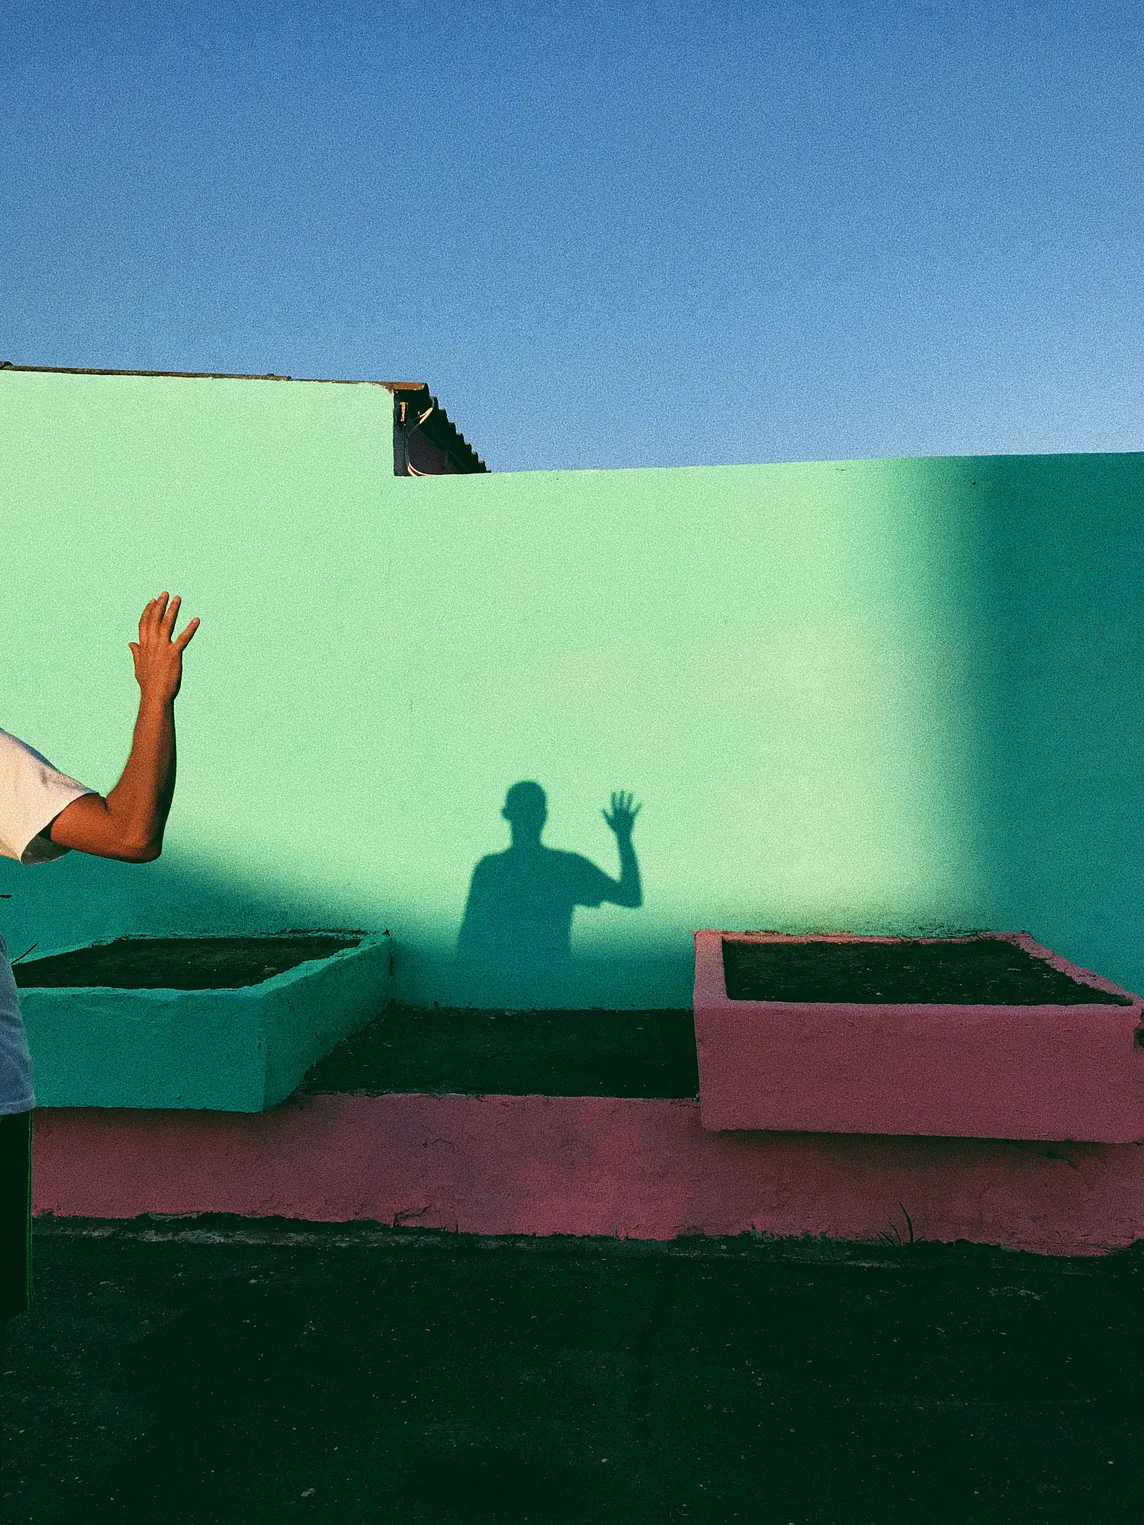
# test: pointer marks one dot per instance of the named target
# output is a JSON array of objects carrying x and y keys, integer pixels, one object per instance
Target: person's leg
[
  {"x": 15, "y": 1212},
  {"x": 3, "y": 1365},
  {"x": 15, "y": 1227}
]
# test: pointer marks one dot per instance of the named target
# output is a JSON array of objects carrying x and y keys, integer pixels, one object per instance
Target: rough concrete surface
[
  {"x": 623, "y": 1167},
  {"x": 219, "y": 1370}
]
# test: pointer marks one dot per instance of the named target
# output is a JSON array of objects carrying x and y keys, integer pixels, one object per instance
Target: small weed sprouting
[{"x": 894, "y": 1236}]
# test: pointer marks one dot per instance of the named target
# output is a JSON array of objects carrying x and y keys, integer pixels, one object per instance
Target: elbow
[{"x": 140, "y": 852}]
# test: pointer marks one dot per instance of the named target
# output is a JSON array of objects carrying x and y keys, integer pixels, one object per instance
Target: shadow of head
[{"x": 526, "y": 810}]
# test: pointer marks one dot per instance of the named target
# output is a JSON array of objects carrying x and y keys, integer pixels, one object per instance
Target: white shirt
[{"x": 32, "y": 794}]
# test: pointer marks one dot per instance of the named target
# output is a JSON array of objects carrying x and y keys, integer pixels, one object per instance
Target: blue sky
[{"x": 606, "y": 235}]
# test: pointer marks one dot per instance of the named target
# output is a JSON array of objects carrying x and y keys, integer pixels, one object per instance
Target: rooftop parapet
[{"x": 426, "y": 441}]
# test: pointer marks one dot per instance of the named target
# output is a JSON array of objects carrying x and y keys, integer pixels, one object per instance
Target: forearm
[
  {"x": 630, "y": 892},
  {"x": 141, "y": 800}
]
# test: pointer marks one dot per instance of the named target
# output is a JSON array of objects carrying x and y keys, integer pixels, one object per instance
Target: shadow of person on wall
[{"x": 515, "y": 947}]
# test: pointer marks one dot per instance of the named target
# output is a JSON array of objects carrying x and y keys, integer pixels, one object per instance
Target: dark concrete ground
[{"x": 246, "y": 1371}]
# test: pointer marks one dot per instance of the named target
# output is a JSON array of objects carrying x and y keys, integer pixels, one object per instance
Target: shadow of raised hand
[{"x": 623, "y": 816}]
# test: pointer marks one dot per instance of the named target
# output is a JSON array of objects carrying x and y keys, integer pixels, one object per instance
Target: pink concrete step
[{"x": 631, "y": 1167}]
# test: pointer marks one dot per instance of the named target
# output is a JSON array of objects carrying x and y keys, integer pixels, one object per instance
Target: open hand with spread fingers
[
  {"x": 158, "y": 653},
  {"x": 623, "y": 816}
]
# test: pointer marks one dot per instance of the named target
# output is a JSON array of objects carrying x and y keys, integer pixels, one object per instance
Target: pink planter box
[{"x": 1065, "y": 1068}]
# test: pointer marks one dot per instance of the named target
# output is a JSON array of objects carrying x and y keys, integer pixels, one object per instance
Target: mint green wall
[{"x": 887, "y": 695}]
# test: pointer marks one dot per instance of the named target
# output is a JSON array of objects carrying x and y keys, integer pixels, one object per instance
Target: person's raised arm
[
  {"x": 129, "y": 823},
  {"x": 622, "y": 819}
]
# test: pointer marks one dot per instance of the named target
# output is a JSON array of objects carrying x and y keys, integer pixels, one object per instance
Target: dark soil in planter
[
  {"x": 975, "y": 971},
  {"x": 179, "y": 963},
  {"x": 439, "y": 1050}
]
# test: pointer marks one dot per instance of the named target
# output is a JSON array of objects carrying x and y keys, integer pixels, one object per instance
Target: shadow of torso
[{"x": 515, "y": 946}]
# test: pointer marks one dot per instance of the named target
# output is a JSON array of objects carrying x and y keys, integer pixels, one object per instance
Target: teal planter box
[{"x": 241, "y": 1045}]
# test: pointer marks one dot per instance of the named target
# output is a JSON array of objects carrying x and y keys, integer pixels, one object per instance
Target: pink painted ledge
[
  {"x": 631, "y": 1168},
  {"x": 960, "y": 1071}
]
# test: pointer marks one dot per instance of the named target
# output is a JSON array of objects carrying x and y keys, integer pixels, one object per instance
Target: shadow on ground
[{"x": 221, "y": 1370}]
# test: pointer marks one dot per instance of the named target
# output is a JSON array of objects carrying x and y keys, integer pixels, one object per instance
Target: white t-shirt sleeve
[{"x": 32, "y": 794}]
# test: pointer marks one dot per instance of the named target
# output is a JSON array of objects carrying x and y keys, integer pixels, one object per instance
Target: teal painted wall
[{"x": 883, "y": 695}]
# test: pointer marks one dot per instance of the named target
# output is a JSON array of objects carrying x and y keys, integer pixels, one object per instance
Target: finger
[
  {"x": 157, "y": 627},
  {"x": 183, "y": 641},
  {"x": 149, "y": 623},
  {"x": 167, "y": 623}
]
